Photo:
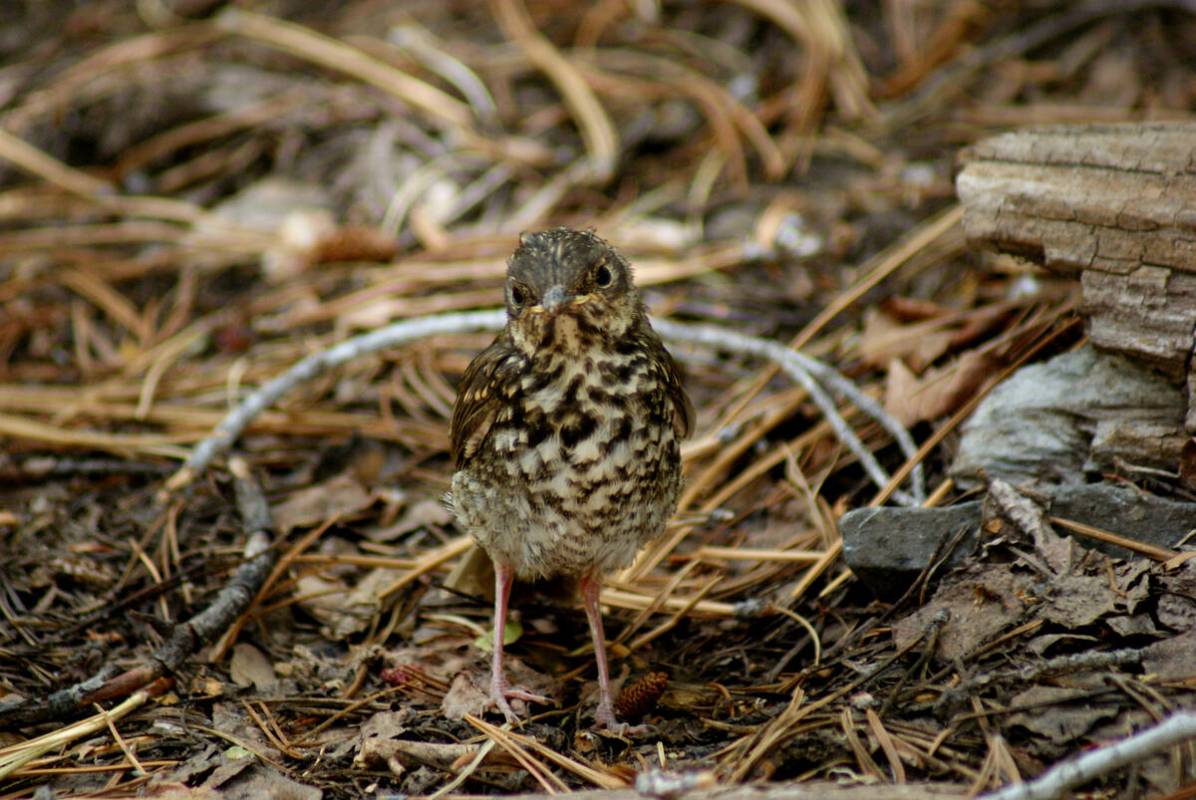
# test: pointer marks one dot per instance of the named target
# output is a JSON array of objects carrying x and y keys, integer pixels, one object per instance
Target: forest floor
[{"x": 195, "y": 195}]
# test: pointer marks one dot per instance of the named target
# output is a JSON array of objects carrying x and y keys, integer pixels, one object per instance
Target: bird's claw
[
  {"x": 605, "y": 720},
  {"x": 500, "y": 693},
  {"x": 515, "y": 693}
]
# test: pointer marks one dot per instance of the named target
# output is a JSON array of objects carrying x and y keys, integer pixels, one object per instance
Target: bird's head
[{"x": 568, "y": 290}]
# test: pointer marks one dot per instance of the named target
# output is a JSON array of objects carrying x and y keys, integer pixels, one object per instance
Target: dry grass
[{"x": 191, "y": 205}]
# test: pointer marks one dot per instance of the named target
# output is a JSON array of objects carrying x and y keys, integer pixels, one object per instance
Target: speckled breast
[{"x": 579, "y": 470}]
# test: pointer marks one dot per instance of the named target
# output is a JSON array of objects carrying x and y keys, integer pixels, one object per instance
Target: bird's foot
[
  {"x": 605, "y": 720},
  {"x": 500, "y": 693}
]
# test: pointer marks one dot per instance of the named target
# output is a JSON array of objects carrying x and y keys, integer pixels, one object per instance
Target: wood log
[{"x": 1116, "y": 203}]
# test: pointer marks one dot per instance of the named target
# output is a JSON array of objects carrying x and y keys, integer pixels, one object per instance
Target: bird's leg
[
  {"x": 504, "y": 577},
  {"x": 605, "y": 715}
]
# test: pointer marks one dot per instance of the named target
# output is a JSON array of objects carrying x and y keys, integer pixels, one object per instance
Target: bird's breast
[
  {"x": 581, "y": 467},
  {"x": 578, "y": 422}
]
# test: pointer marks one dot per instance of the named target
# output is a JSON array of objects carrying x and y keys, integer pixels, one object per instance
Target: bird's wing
[
  {"x": 683, "y": 409},
  {"x": 486, "y": 384}
]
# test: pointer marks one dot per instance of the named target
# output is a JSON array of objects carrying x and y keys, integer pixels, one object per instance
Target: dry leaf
[
  {"x": 1075, "y": 601},
  {"x": 937, "y": 393},
  {"x": 336, "y": 498},
  {"x": 250, "y": 667},
  {"x": 466, "y": 696},
  {"x": 377, "y": 740},
  {"x": 979, "y": 608},
  {"x": 1067, "y": 715},
  {"x": 425, "y": 513},
  {"x": 262, "y": 782},
  {"x": 885, "y": 339},
  {"x": 1172, "y": 659},
  {"x": 345, "y": 610}
]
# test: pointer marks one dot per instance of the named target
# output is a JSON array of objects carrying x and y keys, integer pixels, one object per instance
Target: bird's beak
[
  {"x": 557, "y": 299},
  {"x": 554, "y": 299}
]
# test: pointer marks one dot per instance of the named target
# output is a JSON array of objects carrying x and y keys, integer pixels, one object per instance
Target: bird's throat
[{"x": 570, "y": 334}]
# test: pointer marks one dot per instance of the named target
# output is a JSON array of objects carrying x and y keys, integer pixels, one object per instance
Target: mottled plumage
[{"x": 566, "y": 429}]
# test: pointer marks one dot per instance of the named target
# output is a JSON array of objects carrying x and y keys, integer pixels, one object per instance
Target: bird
[{"x": 566, "y": 434}]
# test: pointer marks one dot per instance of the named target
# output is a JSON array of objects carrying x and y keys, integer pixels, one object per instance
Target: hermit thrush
[{"x": 566, "y": 432}]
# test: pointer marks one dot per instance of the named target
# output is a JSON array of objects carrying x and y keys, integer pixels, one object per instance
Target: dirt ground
[{"x": 196, "y": 194}]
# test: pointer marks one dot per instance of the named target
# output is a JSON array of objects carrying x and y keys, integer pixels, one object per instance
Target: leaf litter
[{"x": 213, "y": 194}]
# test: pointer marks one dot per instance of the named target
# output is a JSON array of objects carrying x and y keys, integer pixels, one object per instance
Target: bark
[{"x": 1113, "y": 204}]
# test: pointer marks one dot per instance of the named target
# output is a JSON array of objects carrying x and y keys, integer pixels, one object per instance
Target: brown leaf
[
  {"x": 425, "y": 513},
  {"x": 980, "y": 607},
  {"x": 321, "y": 595},
  {"x": 1177, "y": 612},
  {"x": 885, "y": 339},
  {"x": 250, "y": 667},
  {"x": 467, "y": 695},
  {"x": 345, "y": 610},
  {"x": 1172, "y": 659},
  {"x": 336, "y": 498},
  {"x": 1078, "y": 600},
  {"x": 1026, "y": 516},
  {"x": 1062, "y": 721},
  {"x": 919, "y": 332},
  {"x": 1136, "y": 625},
  {"x": 378, "y": 737},
  {"x": 939, "y": 391},
  {"x": 1134, "y": 581},
  {"x": 263, "y": 782},
  {"x": 1177, "y": 600}
]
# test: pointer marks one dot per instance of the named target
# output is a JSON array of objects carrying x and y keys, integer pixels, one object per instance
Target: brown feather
[
  {"x": 683, "y": 408},
  {"x": 480, "y": 396}
]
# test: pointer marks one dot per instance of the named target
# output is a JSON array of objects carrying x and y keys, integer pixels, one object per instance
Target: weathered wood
[{"x": 1116, "y": 203}]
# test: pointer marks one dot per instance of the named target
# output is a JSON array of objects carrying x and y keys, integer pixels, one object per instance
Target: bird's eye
[
  {"x": 602, "y": 277},
  {"x": 517, "y": 295}
]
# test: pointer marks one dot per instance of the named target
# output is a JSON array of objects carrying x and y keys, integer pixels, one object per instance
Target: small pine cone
[{"x": 638, "y": 698}]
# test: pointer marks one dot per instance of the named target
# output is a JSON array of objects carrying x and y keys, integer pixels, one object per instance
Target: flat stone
[
  {"x": 887, "y": 548},
  {"x": 1067, "y": 419},
  {"x": 1125, "y": 511}
]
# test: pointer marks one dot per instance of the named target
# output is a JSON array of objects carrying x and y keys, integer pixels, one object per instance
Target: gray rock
[
  {"x": 1078, "y": 413},
  {"x": 1125, "y": 511},
  {"x": 887, "y": 548}
]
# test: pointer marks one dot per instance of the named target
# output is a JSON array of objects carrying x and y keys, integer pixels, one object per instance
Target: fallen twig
[
  {"x": 231, "y": 427},
  {"x": 810, "y": 373},
  {"x": 1059, "y": 779},
  {"x": 186, "y": 637},
  {"x": 813, "y": 375},
  {"x": 13, "y": 757}
]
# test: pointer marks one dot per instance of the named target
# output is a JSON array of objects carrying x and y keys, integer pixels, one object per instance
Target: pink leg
[
  {"x": 605, "y": 714},
  {"x": 504, "y": 576}
]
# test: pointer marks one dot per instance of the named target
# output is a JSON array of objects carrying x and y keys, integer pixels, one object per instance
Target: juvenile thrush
[{"x": 566, "y": 432}]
